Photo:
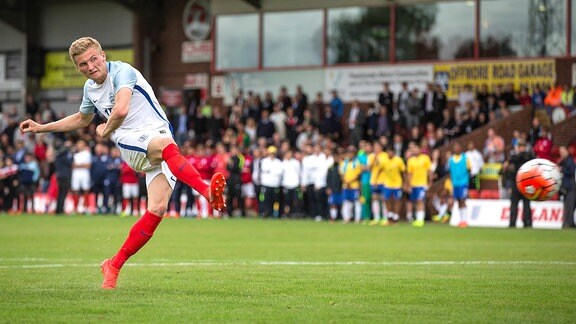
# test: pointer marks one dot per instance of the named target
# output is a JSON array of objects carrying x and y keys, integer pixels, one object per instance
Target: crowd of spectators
[{"x": 231, "y": 139}]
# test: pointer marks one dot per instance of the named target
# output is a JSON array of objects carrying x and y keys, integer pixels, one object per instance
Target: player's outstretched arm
[{"x": 69, "y": 123}]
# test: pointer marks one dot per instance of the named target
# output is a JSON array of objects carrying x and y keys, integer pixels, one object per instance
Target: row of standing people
[
  {"x": 76, "y": 171},
  {"x": 351, "y": 184}
]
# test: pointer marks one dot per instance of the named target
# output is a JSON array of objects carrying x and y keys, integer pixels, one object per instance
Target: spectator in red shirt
[
  {"x": 524, "y": 98},
  {"x": 40, "y": 148},
  {"x": 220, "y": 160},
  {"x": 205, "y": 166},
  {"x": 248, "y": 190},
  {"x": 543, "y": 145},
  {"x": 130, "y": 190}
]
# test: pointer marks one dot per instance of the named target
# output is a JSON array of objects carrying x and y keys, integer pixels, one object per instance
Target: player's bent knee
[
  {"x": 157, "y": 209},
  {"x": 156, "y": 147}
]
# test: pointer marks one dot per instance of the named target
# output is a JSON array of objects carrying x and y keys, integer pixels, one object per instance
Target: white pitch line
[{"x": 292, "y": 263}]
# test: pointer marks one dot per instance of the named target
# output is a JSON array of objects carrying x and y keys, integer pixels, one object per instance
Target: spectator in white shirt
[
  {"x": 466, "y": 96},
  {"x": 307, "y": 180},
  {"x": 81, "y": 182},
  {"x": 323, "y": 162},
  {"x": 257, "y": 177},
  {"x": 476, "y": 163},
  {"x": 271, "y": 170},
  {"x": 279, "y": 117},
  {"x": 290, "y": 184}
]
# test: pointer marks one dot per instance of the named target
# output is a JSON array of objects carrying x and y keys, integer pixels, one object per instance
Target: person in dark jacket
[
  {"x": 98, "y": 170},
  {"x": 330, "y": 125},
  {"x": 568, "y": 187},
  {"x": 386, "y": 99},
  {"x": 112, "y": 184},
  {"x": 63, "y": 170},
  {"x": 371, "y": 123},
  {"x": 28, "y": 175},
  {"x": 265, "y": 127},
  {"x": 235, "y": 166},
  {"x": 334, "y": 187},
  {"x": 516, "y": 160}
]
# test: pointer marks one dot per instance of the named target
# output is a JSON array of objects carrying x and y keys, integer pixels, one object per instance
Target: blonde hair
[{"x": 81, "y": 45}]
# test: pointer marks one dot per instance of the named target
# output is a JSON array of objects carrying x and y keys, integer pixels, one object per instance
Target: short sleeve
[
  {"x": 124, "y": 78},
  {"x": 87, "y": 107},
  {"x": 402, "y": 165}
]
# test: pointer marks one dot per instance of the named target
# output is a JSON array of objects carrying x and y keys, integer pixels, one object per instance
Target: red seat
[
  {"x": 489, "y": 194},
  {"x": 473, "y": 193}
]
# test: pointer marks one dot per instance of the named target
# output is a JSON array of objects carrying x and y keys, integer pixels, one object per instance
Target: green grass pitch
[{"x": 267, "y": 271}]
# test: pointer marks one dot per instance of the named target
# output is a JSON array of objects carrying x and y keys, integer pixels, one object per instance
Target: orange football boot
[
  {"x": 217, "y": 185},
  {"x": 110, "y": 274}
]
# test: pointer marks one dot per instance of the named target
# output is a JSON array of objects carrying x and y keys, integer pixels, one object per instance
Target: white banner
[
  {"x": 261, "y": 82},
  {"x": 196, "y": 81},
  {"x": 196, "y": 51},
  {"x": 365, "y": 83},
  {"x": 217, "y": 86},
  {"x": 496, "y": 213}
]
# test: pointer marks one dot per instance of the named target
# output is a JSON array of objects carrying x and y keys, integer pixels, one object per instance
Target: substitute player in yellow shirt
[
  {"x": 419, "y": 175},
  {"x": 350, "y": 170},
  {"x": 377, "y": 160},
  {"x": 393, "y": 173}
]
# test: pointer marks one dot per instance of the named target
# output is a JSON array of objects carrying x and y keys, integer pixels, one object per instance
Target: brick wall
[
  {"x": 167, "y": 69},
  {"x": 564, "y": 70},
  {"x": 520, "y": 120},
  {"x": 565, "y": 132}
]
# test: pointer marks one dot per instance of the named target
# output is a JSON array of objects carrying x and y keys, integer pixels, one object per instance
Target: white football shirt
[{"x": 145, "y": 111}]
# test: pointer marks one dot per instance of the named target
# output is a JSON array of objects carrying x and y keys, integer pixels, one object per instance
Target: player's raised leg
[
  {"x": 159, "y": 192},
  {"x": 164, "y": 148}
]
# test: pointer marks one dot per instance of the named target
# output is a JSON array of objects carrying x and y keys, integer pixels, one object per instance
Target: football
[{"x": 538, "y": 179}]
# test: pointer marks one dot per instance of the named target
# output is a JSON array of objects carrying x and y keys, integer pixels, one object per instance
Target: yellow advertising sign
[
  {"x": 60, "y": 71},
  {"x": 490, "y": 171},
  {"x": 519, "y": 73}
]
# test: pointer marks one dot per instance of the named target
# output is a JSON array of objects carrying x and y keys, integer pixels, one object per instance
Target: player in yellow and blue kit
[
  {"x": 350, "y": 170},
  {"x": 377, "y": 161},
  {"x": 419, "y": 173},
  {"x": 459, "y": 168},
  {"x": 392, "y": 174}
]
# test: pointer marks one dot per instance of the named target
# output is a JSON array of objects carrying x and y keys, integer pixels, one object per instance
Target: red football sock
[
  {"x": 183, "y": 170},
  {"x": 76, "y": 201},
  {"x": 135, "y": 206},
  {"x": 139, "y": 235},
  {"x": 86, "y": 200}
]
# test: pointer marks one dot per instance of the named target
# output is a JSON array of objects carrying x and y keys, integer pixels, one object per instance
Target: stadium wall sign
[
  {"x": 496, "y": 213},
  {"x": 60, "y": 72},
  {"x": 197, "y": 20},
  {"x": 196, "y": 51},
  {"x": 365, "y": 83},
  {"x": 520, "y": 73},
  {"x": 8, "y": 82}
]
